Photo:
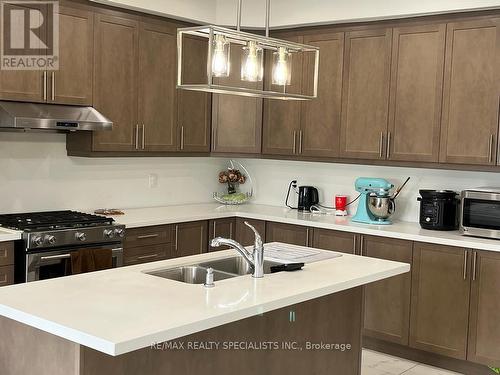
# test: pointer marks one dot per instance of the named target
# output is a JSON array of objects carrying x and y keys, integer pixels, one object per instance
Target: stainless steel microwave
[{"x": 480, "y": 213}]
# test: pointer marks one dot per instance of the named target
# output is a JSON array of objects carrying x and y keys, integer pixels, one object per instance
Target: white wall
[
  {"x": 271, "y": 178},
  {"x": 203, "y": 11},
  {"x": 301, "y": 12},
  {"x": 36, "y": 174}
]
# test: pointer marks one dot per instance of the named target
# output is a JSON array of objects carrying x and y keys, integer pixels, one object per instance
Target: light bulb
[
  {"x": 251, "y": 64},
  {"x": 220, "y": 60},
  {"x": 281, "y": 68}
]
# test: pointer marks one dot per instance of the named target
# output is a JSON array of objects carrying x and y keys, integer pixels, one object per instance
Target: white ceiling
[{"x": 298, "y": 12}]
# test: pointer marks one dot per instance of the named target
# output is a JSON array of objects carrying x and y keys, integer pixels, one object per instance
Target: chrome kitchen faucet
[{"x": 255, "y": 259}]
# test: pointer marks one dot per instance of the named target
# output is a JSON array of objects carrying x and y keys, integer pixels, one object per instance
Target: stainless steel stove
[{"x": 49, "y": 239}]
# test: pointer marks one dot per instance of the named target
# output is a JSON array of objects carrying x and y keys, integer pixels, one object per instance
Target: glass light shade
[
  {"x": 252, "y": 63},
  {"x": 282, "y": 67},
  {"x": 221, "y": 53}
]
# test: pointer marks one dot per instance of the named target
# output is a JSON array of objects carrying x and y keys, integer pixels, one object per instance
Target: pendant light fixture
[{"x": 253, "y": 47}]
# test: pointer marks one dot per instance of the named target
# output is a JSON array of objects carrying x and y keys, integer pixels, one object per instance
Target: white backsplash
[
  {"x": 36, "y": 174},
  {"x": 273, "y": 176}
]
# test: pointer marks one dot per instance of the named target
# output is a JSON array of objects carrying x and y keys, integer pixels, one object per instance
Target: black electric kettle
[{"x": 308, "y": 196}]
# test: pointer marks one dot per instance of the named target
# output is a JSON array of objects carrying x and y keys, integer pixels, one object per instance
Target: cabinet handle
[
  {"x": 143, "y": 137},
  {"x": 300, "y": 141},
  {"x": 361, "y": 245},
  {"x": 466, "y": 253},
  {"x": 136, "y": 136},
  {"x": 294, "y": 141},
  {"x": 53, "y": 88},
  {"x": 148, "y": 256},
  {"x": 146, "y": 236},
  {"x": 176, "y": 237},
  {"x": 182, "y": 137},
  {"x": 381, "y": 145},
  {"x": 388, "y": 150},
  {"x": 215, "y": 224},
  {"x": 231, "y": 230},
  {"x": 474, "y": 265},
  {"x": 307, "y": 237},
  {"x": 490, "y": 151},
  {"x": 354, "y": 244},
  {"x": 44, "y": 86}
]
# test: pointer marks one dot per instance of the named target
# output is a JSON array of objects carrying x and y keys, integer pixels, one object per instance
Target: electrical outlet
[{"x": 153, "y": 180}]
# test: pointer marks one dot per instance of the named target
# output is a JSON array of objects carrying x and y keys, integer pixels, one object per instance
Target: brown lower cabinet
[
  {"x": 387, "y": 302},
  {"x": 484, "y": 327},
  {"x": 190, "y": 238},
  {"x": 440, "y": 299},
  {"x": 221, "y": 228},
  {"x": 287, "y": 233},
  {"x": 6, "y": 263},
  {"x": 343, "y": 242},
  {"x": 244, "y": 235}
]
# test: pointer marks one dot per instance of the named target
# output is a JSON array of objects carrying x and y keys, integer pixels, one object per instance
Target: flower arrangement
[
  {"x": 235, "y": 175},
  {"x": 231, "y": 177}
]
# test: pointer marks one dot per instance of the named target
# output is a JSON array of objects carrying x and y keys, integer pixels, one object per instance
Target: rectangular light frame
[{"x": 241, "y": 38}]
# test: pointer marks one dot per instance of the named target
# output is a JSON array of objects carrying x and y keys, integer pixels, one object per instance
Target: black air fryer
[{"x": 438, "y": 209}]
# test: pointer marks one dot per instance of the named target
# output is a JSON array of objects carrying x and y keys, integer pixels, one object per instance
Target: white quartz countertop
[
  {"x": 121, "y": 310},
  {"x": 9, "y": 235},
  {"x": 139, "y": 217}
]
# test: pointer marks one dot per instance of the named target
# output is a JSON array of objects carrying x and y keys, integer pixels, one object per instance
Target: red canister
[{"x": 340, "y": 202}]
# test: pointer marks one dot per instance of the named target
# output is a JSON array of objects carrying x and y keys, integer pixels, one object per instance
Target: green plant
[{"x": 496, "y": 370}]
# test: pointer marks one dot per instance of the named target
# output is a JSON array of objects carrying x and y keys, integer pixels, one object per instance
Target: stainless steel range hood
[{"x": 26, "y": 116}]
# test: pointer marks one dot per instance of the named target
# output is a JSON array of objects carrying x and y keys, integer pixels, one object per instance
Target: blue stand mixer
[{"x": 376, "y": 205}]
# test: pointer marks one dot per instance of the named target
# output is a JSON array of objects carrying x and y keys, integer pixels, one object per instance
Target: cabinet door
[
  {"x": 387, "y": 302},
  {"x": 221, "y": 228},
  {"x": 320, "y": 121},
  {"x": 115, "y": 81},
  {"x": 282, "y": 117},
  {"x": 6, "y": 253},
  {"x": 440, "y": 299},
  {"x": 244, "y": 235},
  {"x": 157, "y": 92},
  {"x": 416, "y": 93},
  {"x": 365, "y": 94},
  {"x": 24, "y": 85},
  {"x": 6, "y": 275},
  {"x": 190, "y": 238},
  {"x": 145, "y": 254},
  {"x": 484, "y": 330},
  {"x": 236, "y": 120},
  {"x": 72, "y": 83},
  {"x": 194, "y": 108},
  {"x": 471, "y": 86},
  {"x": 343, "y": 242},
  {"x": 287, "y": 233}
]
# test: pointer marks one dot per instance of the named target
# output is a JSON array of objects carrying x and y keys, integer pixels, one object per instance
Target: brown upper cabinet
[
  {"x": 194, "y": 108},
  {"x": 281, "y": 124},
  {"x": 236, "y": 120},
  {"x": 484, "y": 329},
  {"x": 157, "y": 92},
  {"x": 416, "y": 93},
  {"x": 440, "y": 299},
  {"x": 320, "y": 118},
  {"x": 115, "y": 82},
  {"x": 72, "y": 82},
  {"x": 365, "y": 94},
  {"x": 469, "y": 128}
]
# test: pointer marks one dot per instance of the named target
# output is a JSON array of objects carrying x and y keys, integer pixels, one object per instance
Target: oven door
[
  {"x": 480, "y": 214},
  {"x": 57, "y": 263}
]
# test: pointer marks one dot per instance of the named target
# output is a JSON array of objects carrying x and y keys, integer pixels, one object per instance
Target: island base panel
[{"x": 333, "y": 319}]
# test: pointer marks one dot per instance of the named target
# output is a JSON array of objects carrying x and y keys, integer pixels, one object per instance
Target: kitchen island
[{"x": 127, "y": 321}]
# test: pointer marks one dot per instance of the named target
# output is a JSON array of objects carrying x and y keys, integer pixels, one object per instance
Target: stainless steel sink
[
  {"x": 190, "y": 274},
  {"x": 223, "y": 269},
  {"x": 236, "y": 265}
]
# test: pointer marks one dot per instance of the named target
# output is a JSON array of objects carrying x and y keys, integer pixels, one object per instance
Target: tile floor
[{"x": 375, "y": 363}]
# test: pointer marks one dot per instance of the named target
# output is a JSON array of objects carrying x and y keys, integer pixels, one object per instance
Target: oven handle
[{"x": 115, "y": 253}]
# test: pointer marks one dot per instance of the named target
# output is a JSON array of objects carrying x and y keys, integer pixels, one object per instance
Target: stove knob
[
  {"x": 37, "y": 240},
  {"x": 109, "y": 233},
  {"x": 80, "y": 236},
  {"x": 120, "y": 232},
  {"x": 51, "y": 240}
]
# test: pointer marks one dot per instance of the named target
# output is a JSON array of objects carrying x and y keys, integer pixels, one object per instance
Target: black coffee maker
[{"x": 308, "y": 196}]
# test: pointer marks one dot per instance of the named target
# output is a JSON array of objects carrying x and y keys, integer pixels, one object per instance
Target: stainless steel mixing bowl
[{"x": 381, "y": 207}]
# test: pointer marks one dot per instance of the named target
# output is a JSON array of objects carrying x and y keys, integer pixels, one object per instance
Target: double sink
[{"x": 222, "y": 269}]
